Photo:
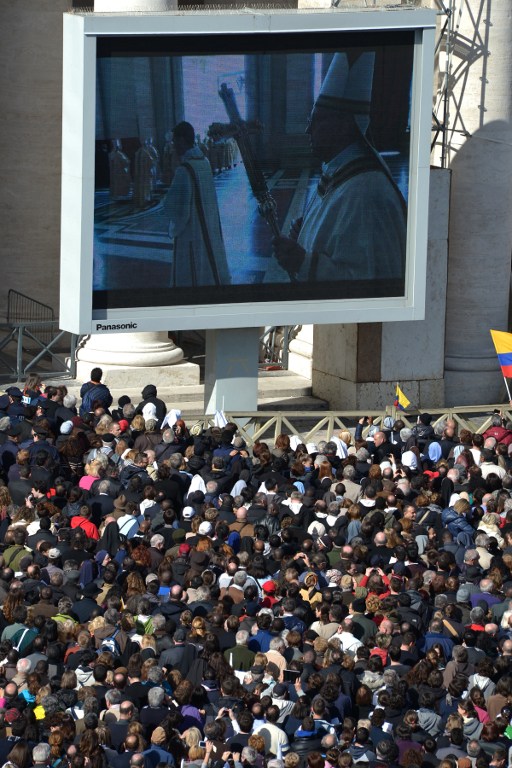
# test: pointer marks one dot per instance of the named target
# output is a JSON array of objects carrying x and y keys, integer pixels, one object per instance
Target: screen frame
[{"x": 81, "y": 32}]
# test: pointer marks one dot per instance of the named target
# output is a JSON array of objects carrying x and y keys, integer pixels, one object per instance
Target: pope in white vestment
[{"x": 354, "y": 227}]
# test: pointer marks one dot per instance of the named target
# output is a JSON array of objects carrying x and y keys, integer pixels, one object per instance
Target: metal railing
[
  {"x": 311, "y": 426},
  {"x": 30, "y": 340},
  {"x": 275, "y": 345},
  {"x": 22, "y": 309},
  {"x": 23, "y": 360}
]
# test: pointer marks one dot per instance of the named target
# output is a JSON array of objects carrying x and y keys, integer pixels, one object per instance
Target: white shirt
[
  {"x": 349, "y": 643},
  {"x": 276, "y": 740}
]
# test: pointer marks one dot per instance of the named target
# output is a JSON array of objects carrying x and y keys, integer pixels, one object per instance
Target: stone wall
[{"x": 30, "y": 147}]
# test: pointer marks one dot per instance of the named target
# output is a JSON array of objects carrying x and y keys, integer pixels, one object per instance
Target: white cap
[{"x": 205, "y": 528}]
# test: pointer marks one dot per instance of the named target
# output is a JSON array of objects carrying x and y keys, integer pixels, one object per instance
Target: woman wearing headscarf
[{"x": 434, "y": 454}]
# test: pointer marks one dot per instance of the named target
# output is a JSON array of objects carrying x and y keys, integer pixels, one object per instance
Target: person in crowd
[{"x": 209, "y": 611}]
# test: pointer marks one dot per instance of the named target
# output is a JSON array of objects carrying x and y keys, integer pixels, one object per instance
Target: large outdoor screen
[{"x": 275, "y": 170}]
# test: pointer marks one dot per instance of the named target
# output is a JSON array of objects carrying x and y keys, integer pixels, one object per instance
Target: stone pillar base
[
  {"x": 129, "y": 360},
  {"x": 122, "y": 6},
  {"x": 133, "y": 350},
  {"x": 128, "y": 377}
]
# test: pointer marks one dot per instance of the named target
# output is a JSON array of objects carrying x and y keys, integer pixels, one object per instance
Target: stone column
[
  {"x": 480, "y": 156},
  {"x": 300, "y": 352}
]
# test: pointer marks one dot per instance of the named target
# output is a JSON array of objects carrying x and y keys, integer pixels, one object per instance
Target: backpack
[
  {"x": 93, "y": 393},
  {"x": 19, "y": 637},
  {"x": 111, "y": 644}
]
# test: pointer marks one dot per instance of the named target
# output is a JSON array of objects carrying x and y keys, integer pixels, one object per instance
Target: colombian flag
[
  {"x": 503, "y": 344},
  {"x": 401, "y": 401}
]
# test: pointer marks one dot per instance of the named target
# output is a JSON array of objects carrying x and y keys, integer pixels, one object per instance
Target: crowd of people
[{"x": 176, "y": 597}]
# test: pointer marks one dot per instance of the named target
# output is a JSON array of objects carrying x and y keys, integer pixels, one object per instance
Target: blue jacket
[
  {"x": 431, "y": 638},
  {"x": 456, "y": 523}
]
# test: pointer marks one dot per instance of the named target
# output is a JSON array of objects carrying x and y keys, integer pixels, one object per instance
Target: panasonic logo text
[{"x": 115, "y": 327}]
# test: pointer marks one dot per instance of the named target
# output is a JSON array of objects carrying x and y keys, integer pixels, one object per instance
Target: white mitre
[{"x": 349, "y": 88}]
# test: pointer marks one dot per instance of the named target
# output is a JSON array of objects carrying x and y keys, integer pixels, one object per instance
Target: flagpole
[
  {"x": 396, "y": 410},
  {"x": 508, "y": 390}
]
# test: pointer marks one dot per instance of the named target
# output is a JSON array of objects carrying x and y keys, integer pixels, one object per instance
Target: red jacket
[
  {"x": 90, "y": 529},
  {"x": 500, "y": 434}
]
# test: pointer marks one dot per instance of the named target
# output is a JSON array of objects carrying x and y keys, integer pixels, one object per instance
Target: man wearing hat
[
  {"x": 354, "y": 226},
  {"x": 15, "y": 408},
  {"x": 10, "y": 448},
  {"x": 47, "y": 406},
  {"x": 40, "y": 443},
  {"x": 205, "y": 528},
  {"x": 281, "y": 700},
  {"x": 157, "y": 752},
  {"x": 257, "y": 673},
  {"x": 119, "y": 506}
]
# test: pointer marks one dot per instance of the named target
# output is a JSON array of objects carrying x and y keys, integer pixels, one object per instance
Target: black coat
[{"x": 161, "y": 408}]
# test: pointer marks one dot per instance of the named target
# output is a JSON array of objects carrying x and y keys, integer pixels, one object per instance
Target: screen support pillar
[{"x": 231, "y": 375}]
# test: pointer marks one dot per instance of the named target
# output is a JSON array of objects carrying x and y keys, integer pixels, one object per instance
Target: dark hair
[
  {"x": 490, "y": 732},
  {"x": 186, "y": 132},
  {"x": 20, "y": 754},
  {"x": 388, "y": 750}
]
